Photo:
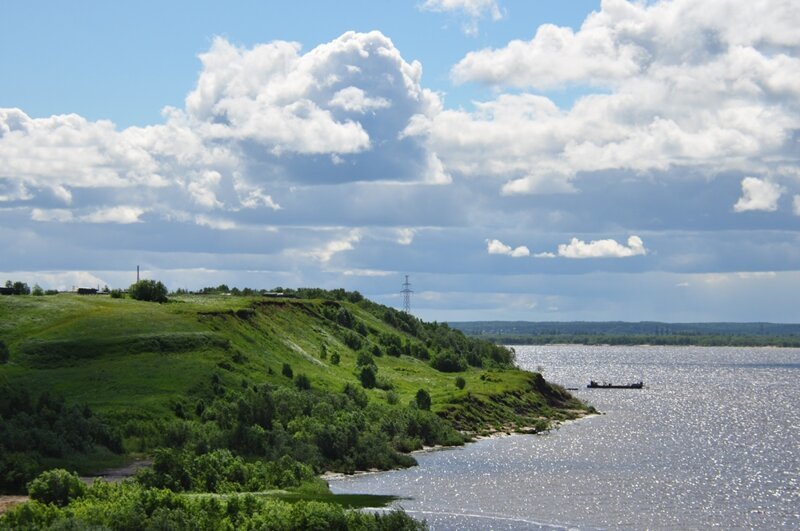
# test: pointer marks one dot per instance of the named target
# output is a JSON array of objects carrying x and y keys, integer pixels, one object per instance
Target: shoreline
[{"x": 495, "y": 434}]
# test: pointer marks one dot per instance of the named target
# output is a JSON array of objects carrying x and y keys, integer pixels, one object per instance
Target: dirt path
[
  {"x": 115, "y": 475},
  {"x": 7, "y": 502},
  {"x": 112, "y": 475}
]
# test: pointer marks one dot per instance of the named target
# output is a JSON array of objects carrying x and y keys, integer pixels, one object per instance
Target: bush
[
  {"x": 352, "y": 340},
  {"x": 302, "y": 382},
  {"x": 448, "y": 362},
  {"x": 367, "y": 377},
  {"x": 37, "y": 290},
  {"x": 116, "y": 293},
  {"x": 4, "y": 353},
  {"x": 423, "y": 399},
  {"x": 460, "y": 382},
  {"x": 335, "y": 358},
  {"x": 287, "y": 370},
  {"x": 148, "y": 290},
  {"x": 56, "y": 486}
]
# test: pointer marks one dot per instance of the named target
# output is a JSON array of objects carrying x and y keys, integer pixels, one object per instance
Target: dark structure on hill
[{"x": 87, "y": 291}]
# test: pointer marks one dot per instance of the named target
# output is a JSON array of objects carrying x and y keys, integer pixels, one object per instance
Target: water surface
[{"x": 712, "y": 441}]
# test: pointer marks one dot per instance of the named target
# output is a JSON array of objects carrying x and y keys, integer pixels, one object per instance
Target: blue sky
[{"x": 520, "y": 160}]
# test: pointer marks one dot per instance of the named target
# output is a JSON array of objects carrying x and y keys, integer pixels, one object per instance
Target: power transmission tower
[{"x": 406, "y": 291}]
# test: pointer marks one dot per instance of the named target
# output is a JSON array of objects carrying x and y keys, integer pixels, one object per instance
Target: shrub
[
  {"x": 302, "y": 382},
  {"x": 367, "y": 377},
  {"x": 335, "y": 358},
  {"x": 352, "y": 340},
  {"x": 448, "y": 362},
  {"x": 148, "y": 290},
  {"x": 56, "y": 486},
  {"x": 460, "y": 382},
  {"x": 37, "y": 290},
  {"x": 423, "y": 399},
  {"x": 323, "y": 352},
  {"x": 116, "y": 294},
  {"x": 364, "y": 359},
  {"x": 287, "y": 370},
  {"x": 4, "y": 353},
  {"x": 391, "y": 397}
]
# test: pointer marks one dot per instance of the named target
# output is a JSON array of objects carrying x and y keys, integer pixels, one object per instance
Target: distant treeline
[{"x": 642, "y": 333}]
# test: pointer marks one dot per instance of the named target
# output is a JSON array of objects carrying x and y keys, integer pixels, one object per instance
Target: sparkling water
[{"x": 712, "y": 441}]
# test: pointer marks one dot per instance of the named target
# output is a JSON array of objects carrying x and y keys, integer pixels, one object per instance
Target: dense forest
[{"x": 625, "y": 333}]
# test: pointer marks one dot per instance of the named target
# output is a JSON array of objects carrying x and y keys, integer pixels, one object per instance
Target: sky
[{"x": 542, "y": 161}]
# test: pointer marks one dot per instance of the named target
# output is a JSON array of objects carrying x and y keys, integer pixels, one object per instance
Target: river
[{"x": 712, "y": 441}]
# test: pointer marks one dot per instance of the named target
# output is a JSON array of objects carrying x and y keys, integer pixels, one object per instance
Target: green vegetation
[
  {"x": 234, "y": 394},
  {"x": 642, "y": 333},
  {"x": 148, "y": 290},
  {"x": 130, "y": 506}
]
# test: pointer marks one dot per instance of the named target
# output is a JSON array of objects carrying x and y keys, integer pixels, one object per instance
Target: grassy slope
[{"x": 130, "y": 359}]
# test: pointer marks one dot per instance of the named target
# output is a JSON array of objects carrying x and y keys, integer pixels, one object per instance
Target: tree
[
  {"x": 423, "y": 400},
  {"x": 4, "y": 353},
  {"x": 287, "y": 370},
  {"x": 148, "y": 290},
  {"x": 37, "y": 290},
  {"x": 367, "y": 377},
  {"x": 56, "y": 486},
  {"x": 302, "y": 382},
  {"x": 20, "y": 288}
]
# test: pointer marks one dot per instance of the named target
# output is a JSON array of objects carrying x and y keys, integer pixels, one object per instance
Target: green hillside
[{"x": 314, "y": 380}]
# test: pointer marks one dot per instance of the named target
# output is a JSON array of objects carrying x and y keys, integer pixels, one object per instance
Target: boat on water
[{"x": 596, "y": 385}]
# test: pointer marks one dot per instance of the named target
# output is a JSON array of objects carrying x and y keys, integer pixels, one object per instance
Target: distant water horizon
[{"x": 712, "y": 441}]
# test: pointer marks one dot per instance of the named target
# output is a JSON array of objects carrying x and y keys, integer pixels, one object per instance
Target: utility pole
[{"x": 406, "y": 291}]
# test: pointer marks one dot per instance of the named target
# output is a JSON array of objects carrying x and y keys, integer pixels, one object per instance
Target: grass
[{"x": 131, "y": 359}]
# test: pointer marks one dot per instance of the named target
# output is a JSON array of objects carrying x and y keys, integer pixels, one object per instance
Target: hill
[
  {"x": 628, "y": 333},
  {"x": 312, "y": 380}
]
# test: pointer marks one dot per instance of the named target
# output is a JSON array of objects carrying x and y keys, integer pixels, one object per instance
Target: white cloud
[
  {"x": 119, "y": 214},
  {"x": 473, "y": 9},
  {"x": 59, "y": 215},
  {"x": 215, "y": 223},
  {"x": 758, "y": 194},
  {"x": 681, "y": 88},
  {"x": 599, "y": 249},
  {"x": 796, "y": 205},
  {"x": 405, "y": 236},
  {"x": 354, "y": 99},
  {"x": 329, "y": 249},
  {"x": 498, "y": 247},
  {"x": 367, "y": 273}
]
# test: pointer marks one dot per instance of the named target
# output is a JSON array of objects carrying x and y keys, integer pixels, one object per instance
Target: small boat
[{"x": 595, "y": 385}]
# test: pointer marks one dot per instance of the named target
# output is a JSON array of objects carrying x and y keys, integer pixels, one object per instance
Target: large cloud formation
[
  {"x": 258, "y": 119},
  {"x": 668, "y": 86}
]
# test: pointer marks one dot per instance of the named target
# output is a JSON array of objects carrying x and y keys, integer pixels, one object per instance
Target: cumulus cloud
[
  {"x": 474, "y": 10},
  {"x": 405, "y": 236},
  {"x": 598, "y": 249},
  {"x": 354, "y": 99},
  {"x": 325, "y": 252},
  {"x": 678, "y": 87},
  {"x": 498, "y": 247},
  {"x": 758, "y": 194},
  {"x": 118, "y": 214},
  {"x": 59, "y": 215},
  {"x": 259, "y": 120}
]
